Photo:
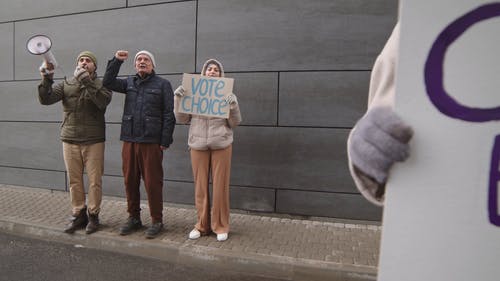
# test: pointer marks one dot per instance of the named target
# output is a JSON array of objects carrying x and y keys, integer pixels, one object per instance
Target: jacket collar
[{"x": 146, "y": 78}]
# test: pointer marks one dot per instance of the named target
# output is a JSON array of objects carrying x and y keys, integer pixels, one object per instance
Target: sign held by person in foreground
[
  {"x": 441, "y": 217},
  {"x": 206, "y": 95}
]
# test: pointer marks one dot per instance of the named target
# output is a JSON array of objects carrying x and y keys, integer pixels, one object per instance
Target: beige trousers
[
  {"x": 90, "y": 158},
  {"x": 218, "y": 163}
]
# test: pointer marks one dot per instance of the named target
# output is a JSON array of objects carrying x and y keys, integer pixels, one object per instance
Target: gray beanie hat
[{"x": 147, "y": 53}]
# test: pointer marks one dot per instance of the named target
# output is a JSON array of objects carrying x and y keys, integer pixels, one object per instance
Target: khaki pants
[
  {"x": 91, "y": 158},
  {"x": 218, "y": 162}
]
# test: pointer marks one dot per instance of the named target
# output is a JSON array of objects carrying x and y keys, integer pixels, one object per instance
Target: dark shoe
[
  {"x": 130, "y": 226},
  {"x": 154, "y": 230},
  {"x": 77, "y": 221},
  {"x": 93, "y": 224}
]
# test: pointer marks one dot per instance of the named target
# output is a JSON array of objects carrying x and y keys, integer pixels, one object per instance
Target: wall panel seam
[
  {"x": 196, "y": 35},
  {"x": 28, "y": 168},
  {"x": 94, "y": 11},
  {"x": 14, "y": 50}
]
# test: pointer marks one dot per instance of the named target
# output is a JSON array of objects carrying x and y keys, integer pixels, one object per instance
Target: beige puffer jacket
[{"x": 209, "y": 132}]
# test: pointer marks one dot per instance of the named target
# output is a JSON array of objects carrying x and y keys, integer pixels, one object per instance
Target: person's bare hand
[{"x": 121, "y": 55}]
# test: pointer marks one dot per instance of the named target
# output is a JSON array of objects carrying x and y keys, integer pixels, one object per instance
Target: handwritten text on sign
[
  {"x": 434, "y": 72},
  {"x": 206, "y": 95}
]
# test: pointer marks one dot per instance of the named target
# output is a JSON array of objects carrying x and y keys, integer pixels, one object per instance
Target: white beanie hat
[{"x": 144, "y": 52}]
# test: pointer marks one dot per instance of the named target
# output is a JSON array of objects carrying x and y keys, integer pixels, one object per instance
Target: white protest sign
[
  {"x": 206, "y": 95},
  {"x": 441, "y": 218}
]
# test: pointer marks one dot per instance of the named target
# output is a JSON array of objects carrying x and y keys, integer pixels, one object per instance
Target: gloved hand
[
  {"x": 379, "y": 140},
  {"x": 180, "y": 91},
  {"x": 81, "y": 74},
  {"x": 231, "y": 99},
  {"x": 46, "y": 71}
]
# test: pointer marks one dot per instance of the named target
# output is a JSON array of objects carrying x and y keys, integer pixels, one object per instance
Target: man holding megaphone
[{"x": 84, "y": 100}]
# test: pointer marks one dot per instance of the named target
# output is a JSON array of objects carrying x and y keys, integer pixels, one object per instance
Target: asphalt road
[{"x": 25, "y": 259}]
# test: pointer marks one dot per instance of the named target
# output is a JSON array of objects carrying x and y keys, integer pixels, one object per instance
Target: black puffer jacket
[{"x": 148, "y": 115}]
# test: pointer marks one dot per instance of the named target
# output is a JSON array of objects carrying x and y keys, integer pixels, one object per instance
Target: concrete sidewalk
[{"x": 283, "y": 248}]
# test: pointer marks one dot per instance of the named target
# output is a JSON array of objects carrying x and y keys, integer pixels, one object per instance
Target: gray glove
[
  {"x": 81, "y": 74},
  {"x": 380, "y": 138},
  {"x": 180, "y": 91},
  {"x": 231, "y": 99}
]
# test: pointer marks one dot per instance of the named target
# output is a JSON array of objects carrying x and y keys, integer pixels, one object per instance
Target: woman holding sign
[{"x": 210, "y": 142}]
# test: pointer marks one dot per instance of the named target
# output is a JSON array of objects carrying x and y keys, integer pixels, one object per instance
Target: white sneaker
[
  {"x": 222, "y": 237},
  {"x": 194, "y": 234}
]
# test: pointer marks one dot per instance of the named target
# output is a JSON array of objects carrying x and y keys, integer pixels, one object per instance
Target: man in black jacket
[{"x": 147, "y": 126}]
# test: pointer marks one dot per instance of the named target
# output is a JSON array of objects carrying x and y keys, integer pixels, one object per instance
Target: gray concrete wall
[{"x": 301, "y": 72}]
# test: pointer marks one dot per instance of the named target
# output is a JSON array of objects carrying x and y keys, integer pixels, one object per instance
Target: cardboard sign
[
  {"x": 206, "y": 95},
  {"x": 441, "y": 218}
]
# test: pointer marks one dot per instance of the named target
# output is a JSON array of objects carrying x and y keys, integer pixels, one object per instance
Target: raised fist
[{"x": 121, "y": 55}]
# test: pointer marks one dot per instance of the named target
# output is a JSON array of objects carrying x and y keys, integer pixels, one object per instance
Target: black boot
[
  {"x": 154, "y": 230},
  {"x": 130, "y": 226},
  {"x": 77, "y": 221},
  {"x": 93, "y": 224}
]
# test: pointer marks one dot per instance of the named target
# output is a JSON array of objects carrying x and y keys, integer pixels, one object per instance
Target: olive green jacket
[{"x": 84, "y": 105}]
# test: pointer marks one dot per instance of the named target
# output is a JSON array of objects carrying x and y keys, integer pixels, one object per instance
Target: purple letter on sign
[
  {"x": 449, "y": 106},
  {"x": 494, "y": 179}
]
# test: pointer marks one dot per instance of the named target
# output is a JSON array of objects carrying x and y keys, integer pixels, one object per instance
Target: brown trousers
[
  {"x": 218, "y": 162},
  {"x": 143, "y": 160},
  {"x": 77, "y": 158}
]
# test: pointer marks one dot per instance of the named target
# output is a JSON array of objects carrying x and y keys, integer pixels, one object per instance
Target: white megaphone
[{"x": 40, "y": 45}]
